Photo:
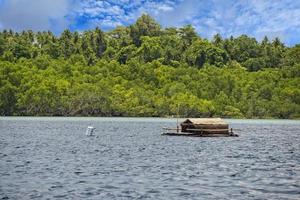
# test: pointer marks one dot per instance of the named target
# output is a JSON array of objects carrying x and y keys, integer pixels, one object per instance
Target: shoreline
[{"x": 94, "y": 118}]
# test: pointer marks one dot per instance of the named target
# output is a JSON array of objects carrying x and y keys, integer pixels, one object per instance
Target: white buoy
[{"x": 89, "y": 131}]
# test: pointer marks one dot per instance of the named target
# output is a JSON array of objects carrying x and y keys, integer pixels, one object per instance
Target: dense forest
[{"x": 147, "y": 70}]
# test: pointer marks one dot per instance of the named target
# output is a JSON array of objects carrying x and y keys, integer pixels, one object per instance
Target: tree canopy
[{"x": 146, "y": 70}]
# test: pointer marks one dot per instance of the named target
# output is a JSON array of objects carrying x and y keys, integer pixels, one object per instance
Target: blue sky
[{"x": 274, "y": 18}]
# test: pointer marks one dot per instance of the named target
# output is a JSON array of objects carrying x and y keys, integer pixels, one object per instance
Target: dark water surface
[{"x": 51, "y": 158}]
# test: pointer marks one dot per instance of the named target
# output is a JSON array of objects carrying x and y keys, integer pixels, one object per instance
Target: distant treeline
[{"x": 144, "y": 70}]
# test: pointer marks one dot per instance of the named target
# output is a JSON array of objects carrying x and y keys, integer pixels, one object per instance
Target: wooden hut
[{"x": 205, "y": 127}]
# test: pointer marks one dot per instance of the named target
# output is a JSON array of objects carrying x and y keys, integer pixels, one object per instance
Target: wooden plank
[
  {"x": 195, "y": 129},
  {"x": 207, "y": 126},
  {"x": 200, "y": 135},
  {"x": 190, "y": 124}
]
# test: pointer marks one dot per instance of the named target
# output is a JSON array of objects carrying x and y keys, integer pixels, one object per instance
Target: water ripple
[{"x": 51, "y": 158}]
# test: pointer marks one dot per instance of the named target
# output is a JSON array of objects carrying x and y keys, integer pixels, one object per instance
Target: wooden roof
[{"x": 204, "y": 121}]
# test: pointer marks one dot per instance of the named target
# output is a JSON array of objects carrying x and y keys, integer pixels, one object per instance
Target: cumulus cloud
[
  {"x": 109, "y": 13},
  {"x": 257, "y": 18},
  {"x": 36, "y": 15}
]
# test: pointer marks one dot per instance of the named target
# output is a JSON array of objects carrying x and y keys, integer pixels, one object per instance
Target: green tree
[
  {"x": 144, "y": 26},
  {"x": 150, "y": 49}
]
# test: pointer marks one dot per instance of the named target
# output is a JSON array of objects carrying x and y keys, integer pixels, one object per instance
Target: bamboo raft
[{"x": 201, "y": 127}]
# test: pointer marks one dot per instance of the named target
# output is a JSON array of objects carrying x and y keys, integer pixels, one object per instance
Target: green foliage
[
  {"x": 144, "y": 26},
  {"x": 201, "y": 52},
  {"x": 144, "y": 70},
  {"x": 150, "y": 49}
]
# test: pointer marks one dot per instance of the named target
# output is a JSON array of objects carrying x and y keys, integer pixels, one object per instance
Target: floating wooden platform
[
  {"x": 201, "y": 127},
  {"x": 199, "y": 135}
]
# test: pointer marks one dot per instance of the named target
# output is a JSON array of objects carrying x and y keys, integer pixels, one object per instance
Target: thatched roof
[{"x": 198, "y": 121}]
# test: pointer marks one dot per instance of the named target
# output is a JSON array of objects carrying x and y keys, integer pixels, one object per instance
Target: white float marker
[{"x": 89, "y": 131}]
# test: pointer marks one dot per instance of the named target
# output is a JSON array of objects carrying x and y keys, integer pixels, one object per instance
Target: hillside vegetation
[{"x": 145, "y": 70}]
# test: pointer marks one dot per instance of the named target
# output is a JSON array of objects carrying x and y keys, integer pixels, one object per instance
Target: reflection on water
[{"x": 128, "y": 159}]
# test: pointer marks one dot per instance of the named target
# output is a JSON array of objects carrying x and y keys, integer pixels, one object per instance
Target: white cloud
[
  {"x": 252, "y": 17},
  {"x": 181, "y": 13},
  {"x": 32, "y": 14},
  {"x": 92, "y": 12},
  {"x": 108, "y": 23},
  {"x": 165, "y": 8},
  {"x": 277, "y": 18},
  {"x": 110, "y": 13}
]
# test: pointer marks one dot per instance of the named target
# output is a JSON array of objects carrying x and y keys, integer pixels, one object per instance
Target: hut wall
[
  {"x": 206, "y": 128},
  {"x": 211, "y": 126},
  {"x": 187, "y": 126}
]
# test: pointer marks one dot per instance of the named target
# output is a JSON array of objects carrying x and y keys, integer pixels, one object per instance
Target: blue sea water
[{"x": 52, "y": 158}]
